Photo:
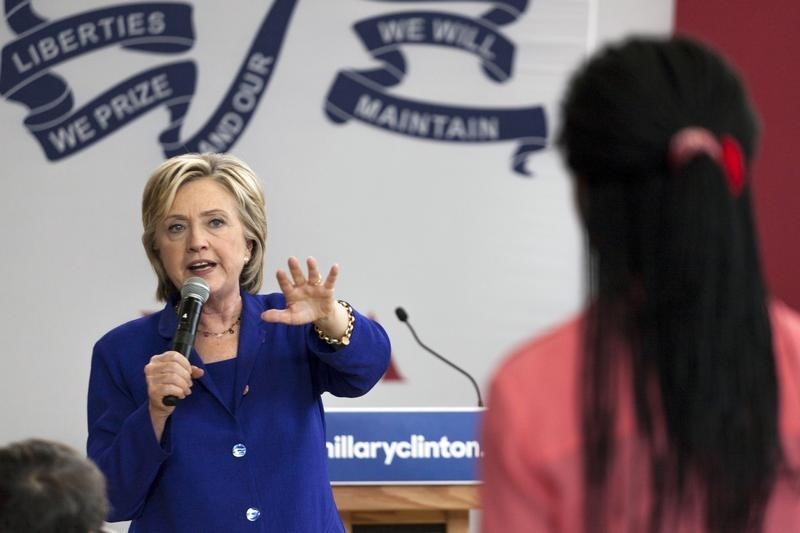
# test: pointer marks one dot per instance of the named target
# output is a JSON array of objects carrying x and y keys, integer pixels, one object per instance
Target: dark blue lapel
[{"x": 251, "y": 336}]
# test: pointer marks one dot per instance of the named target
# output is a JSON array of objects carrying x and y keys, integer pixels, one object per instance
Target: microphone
[
  {"x": 194, "y": 294},
  {"x": 403, "y": 317}
]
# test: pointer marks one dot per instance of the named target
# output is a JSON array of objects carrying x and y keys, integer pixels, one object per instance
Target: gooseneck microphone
[
  {"x": 194, "y": 294},
  {"x": 403, "y": 317}
]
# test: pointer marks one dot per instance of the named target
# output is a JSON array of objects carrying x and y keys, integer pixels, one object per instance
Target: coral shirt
[{"x": 532, "y": 465}]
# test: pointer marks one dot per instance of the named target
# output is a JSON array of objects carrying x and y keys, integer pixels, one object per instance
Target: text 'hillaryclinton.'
[{"x": 417, "y": 447}]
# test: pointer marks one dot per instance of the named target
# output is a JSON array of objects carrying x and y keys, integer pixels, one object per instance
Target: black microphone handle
[
  {"x": 188, "y": 317},
  {"x": 441, "y": 358},
  {"x": 183, "y": 342}
]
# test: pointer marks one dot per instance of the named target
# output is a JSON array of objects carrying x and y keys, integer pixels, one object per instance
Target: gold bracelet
[{"x": 345, "y": 339}]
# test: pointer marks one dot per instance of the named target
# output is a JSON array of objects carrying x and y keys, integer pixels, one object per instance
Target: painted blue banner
[
  {"x": 234, "y": 112},
  {"x": 362, "y": 95},
  {"x": 403, "y": 446},
  {"x": 353, "y": 96},
  {"x": 159, "y": 28},
  {"x": 169, "y": 85},
  {"x": 386, "y": 33},
  {"x": 25, "y": 75}
]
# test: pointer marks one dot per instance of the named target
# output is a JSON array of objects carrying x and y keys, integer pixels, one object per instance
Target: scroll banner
[
  {"x": 234, "y": 112},
  {"x": 362, "y": 96},
  {"x": 403, "y": 446},
  {"x": 25, "y": 75}
]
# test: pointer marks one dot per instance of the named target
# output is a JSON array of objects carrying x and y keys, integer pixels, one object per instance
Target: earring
[{"x": 246, "y": 259}]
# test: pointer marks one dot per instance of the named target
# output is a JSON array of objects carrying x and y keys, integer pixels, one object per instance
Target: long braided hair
[{"x": 674, "y": 278}]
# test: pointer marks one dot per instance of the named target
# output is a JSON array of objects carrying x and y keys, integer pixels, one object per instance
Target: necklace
[{"x": 229, "y": 331}]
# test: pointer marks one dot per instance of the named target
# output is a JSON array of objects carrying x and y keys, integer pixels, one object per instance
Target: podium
[
  {"x": 447, "y": 505},
  {"x": 402, "y": 470}
]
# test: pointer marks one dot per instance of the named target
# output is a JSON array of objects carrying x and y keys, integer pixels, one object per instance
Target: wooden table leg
[
  {"x": 347, "y": 521},
  {"x": 458, "y": 522}
]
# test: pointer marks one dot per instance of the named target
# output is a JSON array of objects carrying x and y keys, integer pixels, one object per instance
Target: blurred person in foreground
[
  {"x": 672, "y": 403},
  {"x": 244, "y": 449},
  {"x": 47, "y": 487}
]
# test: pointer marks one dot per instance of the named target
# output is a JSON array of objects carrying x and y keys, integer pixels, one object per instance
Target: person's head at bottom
[
  {"x": 48, "y": 487},
  {"x": 659, "y": 135}
]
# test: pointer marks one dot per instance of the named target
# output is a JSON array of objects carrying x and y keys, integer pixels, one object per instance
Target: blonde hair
[{"x": 233, "y": 174}]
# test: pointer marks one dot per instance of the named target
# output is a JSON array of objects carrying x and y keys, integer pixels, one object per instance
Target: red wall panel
[{"x": 763, "y": 40}]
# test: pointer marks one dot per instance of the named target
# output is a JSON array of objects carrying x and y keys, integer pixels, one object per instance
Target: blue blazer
[{"x": 261, "y": 466}]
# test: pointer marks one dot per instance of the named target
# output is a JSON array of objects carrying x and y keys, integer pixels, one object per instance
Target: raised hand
[{"x": 308, "y": 299}]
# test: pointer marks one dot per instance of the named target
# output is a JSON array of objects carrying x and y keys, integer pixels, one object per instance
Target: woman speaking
[{"x": 244, "y": 448}]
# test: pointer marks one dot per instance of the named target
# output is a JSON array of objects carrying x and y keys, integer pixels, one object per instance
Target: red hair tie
[
  {"x": 690, "y": 142},
  {"x": 733, "y": 163}
]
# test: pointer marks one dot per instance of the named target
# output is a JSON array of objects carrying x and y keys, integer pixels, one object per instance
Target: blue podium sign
[{"x": 403, "y": 446}]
